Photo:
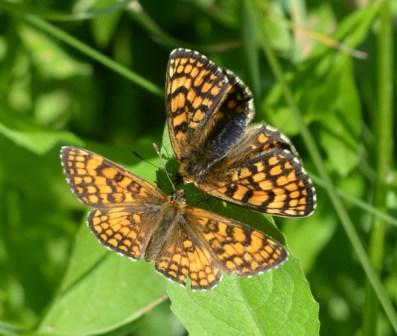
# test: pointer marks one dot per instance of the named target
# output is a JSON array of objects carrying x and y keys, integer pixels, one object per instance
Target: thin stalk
[
  {"x": 383, "y": 123},
  {"x": 329, "y": 186}
]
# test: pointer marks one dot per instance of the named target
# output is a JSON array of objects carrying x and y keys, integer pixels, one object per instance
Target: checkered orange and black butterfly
[
  {"x": 136, "y": 219},
  {"x": 208, "y": 112}
]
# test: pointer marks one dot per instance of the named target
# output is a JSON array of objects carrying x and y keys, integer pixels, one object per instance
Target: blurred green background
[{"x": 91, "y": 73}]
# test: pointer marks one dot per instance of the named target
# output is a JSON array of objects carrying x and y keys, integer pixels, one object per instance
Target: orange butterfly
[
  {"x": 208, "y": 112},
  {"x": 136, "y": 219}
]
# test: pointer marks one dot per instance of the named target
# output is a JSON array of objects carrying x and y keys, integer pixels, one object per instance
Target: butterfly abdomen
[{"x": 163, "y": 229}]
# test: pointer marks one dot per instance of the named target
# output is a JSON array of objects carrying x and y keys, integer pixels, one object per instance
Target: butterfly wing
[
  {"x": 235, "y": 247},
  {"x": 257, "y": 140},
  {"x": 195, "y": 87},
  {"x": 230, "y": 120},
  {"x": 207, "y": 107},
  {"x": 127, "y": 207},
  {"x": 124, "y": 230},
  {"x": 202, "y": 246},
  {"x": 183, "y": 256},
  {"x": 99, "y": 182},
  {"x": 263, "y": 172}
]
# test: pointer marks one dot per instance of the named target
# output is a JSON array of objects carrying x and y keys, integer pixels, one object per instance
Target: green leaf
[
  {"x": 275, "y": 303},
  {"x": 101, "y": 291}
]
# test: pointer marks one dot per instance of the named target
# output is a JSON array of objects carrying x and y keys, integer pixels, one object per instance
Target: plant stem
[
  {"x": 249, "y": 30},
  {"x": 329, "y": 186},
  {"x": 383, "y": 124}
]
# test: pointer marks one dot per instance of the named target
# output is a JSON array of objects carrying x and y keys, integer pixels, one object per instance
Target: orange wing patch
[
  {"x": 181, "y": 258},
  {"x": 195, "y": 87},
  {"x": 122, "y": 230},
  {"x": 236, "y": 247},
  {"x": 99, "y": 182},
  {"x": 274, "y": 182}
]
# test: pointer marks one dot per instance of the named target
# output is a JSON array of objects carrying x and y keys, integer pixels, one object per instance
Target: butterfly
[
  {"x": 208, "y": 114},
  {"x": 136, "y": 219}
]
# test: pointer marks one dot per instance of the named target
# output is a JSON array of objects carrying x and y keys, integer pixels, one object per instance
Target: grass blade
[{"x": 384, "y": 157}]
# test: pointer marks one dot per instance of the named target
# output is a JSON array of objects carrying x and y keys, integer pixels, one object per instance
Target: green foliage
[
  {"x": 269, "y": 304},
  {"x": 100, "y": 291},
  {"x": 90, "y": 74}
]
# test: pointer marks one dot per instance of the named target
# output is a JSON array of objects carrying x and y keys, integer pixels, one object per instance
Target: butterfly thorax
[
  {"x": 195, "y": 167},
  {"x": 171, "y": 215}
]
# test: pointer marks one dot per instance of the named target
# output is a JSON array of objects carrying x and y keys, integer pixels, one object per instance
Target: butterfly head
[{"x": 178, "y": 197}]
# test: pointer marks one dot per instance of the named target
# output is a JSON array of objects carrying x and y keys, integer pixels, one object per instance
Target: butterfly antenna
[
  {"x": 162, "y": 166},
  {"x": 140, "y": 157}
]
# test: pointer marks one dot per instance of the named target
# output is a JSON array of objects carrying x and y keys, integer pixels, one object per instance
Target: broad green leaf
[
  {"x": 101, "y": 291},
  {"x": 52, "y": 106},
  {"x": 249, "y": 39},
  {"x": 276, "y": 113},
  {"x": 7, "y": 329},
  {"x": 276, "y": 303}
]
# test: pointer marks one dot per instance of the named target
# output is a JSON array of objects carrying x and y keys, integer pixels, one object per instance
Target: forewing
[
  {"x": 195, "y": 87},
  {"x": 124, "y": 230},
  {"x": 183, "y": 256},
  {"x": 236, "y": 247},
  {"x": 99, "y": 182},
  {"x": 273, "y": 182}
]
